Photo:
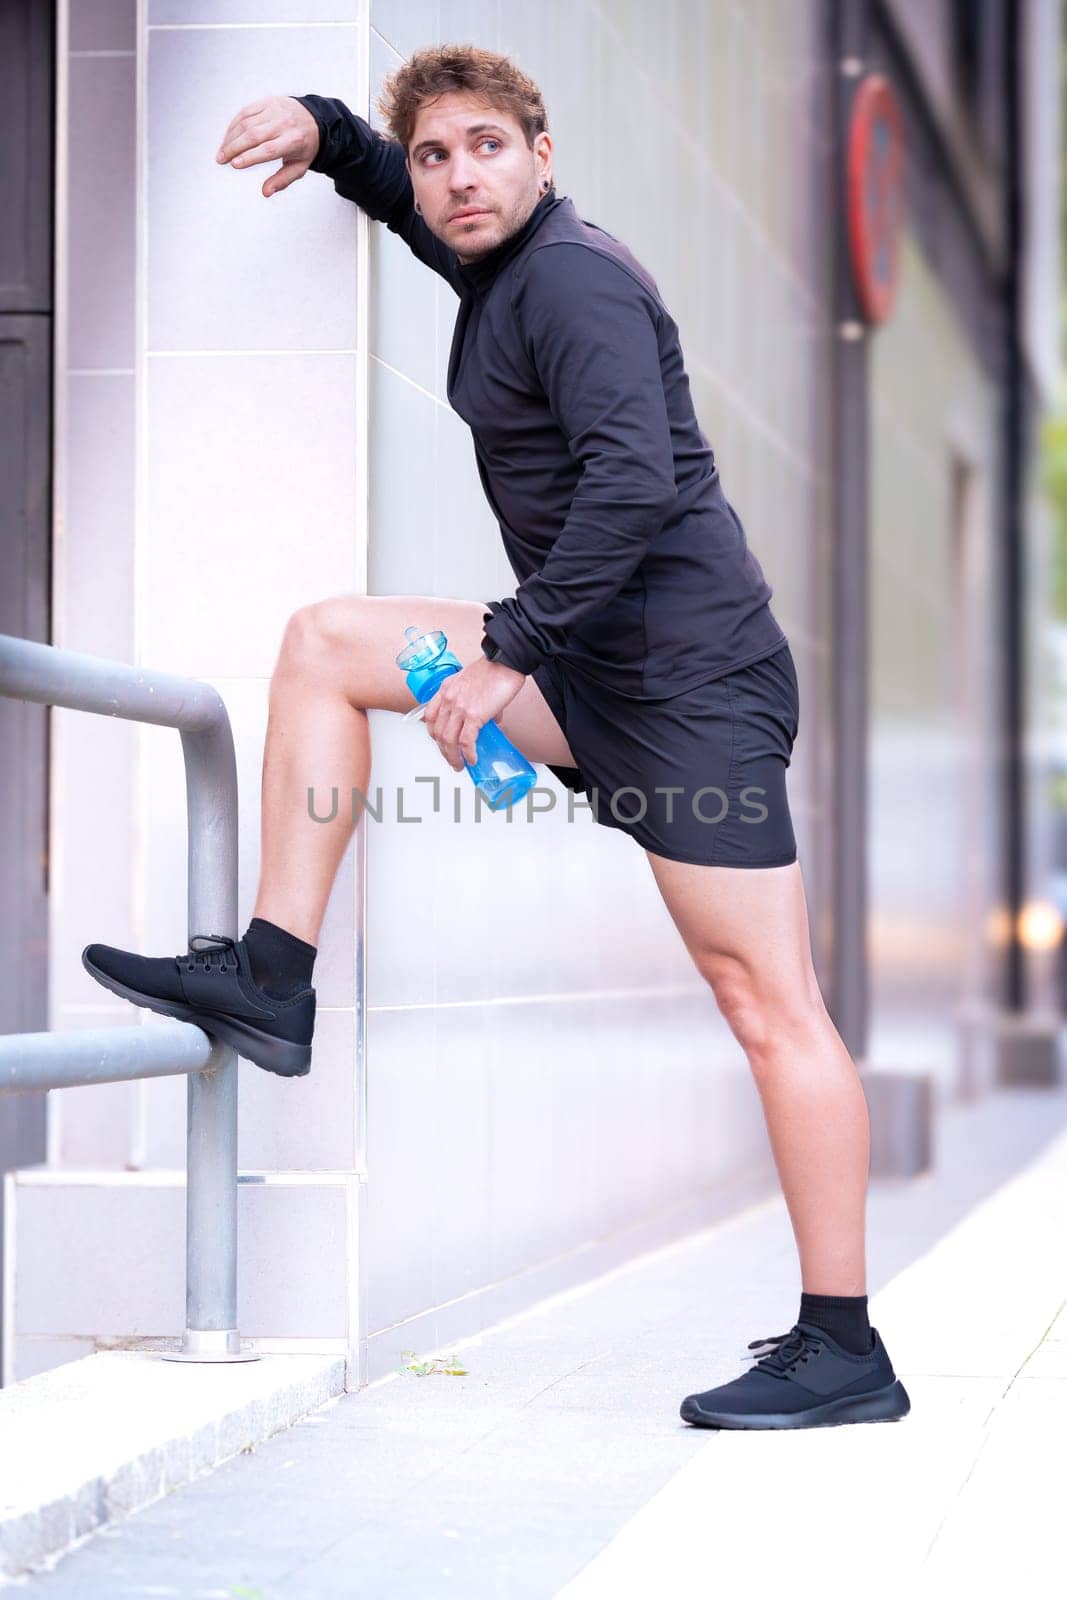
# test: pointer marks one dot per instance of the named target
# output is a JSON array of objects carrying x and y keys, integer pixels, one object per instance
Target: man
[{"x": 638, "y": 658}]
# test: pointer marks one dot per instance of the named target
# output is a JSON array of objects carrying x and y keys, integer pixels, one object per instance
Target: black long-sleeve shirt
[{"x": 633, "y": 567}]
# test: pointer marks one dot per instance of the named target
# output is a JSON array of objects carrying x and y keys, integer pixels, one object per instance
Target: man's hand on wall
[{"x": 278, "y": 128}]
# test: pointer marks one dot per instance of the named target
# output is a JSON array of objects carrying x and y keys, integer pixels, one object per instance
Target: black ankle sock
[
  {"x": 281, "y": 963},
  {"x": 844, "y": 1317}
]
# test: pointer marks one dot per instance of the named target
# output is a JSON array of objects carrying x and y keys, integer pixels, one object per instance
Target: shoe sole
[
  {"x": 280, "y": 1056},
  {"x": 880, "y": 1405}
]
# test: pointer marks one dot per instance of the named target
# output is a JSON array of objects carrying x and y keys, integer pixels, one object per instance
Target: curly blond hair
[{"x": 463, "y": 68}]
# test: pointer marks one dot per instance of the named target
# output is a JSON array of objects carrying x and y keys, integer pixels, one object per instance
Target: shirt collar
[{"x": 479, "y": 274}]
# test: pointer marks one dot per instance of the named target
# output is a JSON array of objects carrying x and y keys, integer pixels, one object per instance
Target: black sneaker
[
  {"x": 213, "y": 987},
  {"x": 806, "y": 1381}
]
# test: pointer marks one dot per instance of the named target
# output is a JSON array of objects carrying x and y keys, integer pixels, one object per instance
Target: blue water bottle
[{"x": 501, "y": 773}]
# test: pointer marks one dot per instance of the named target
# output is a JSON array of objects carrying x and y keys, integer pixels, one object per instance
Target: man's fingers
[
  {"x": 249, "y": 134},
  {"x": 457, "y": 729},
  {"x": 228, "y": 143},
  {"x": 252, "y": 109},
  {"x": 233, "y": 127},
  {"x": 446, "y": 750},
  {"x": 249, "y": 145},
  {"x": 257, "y": 144},
  {"x": 461, "y": 743},
  {"x": 454, "y": 733},
  {"x": 447, "y": 742},
  {"x": 286, "y": 174},
  {"x": 445, "y": 731}
]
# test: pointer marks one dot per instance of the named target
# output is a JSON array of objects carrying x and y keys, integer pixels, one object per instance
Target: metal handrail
[{"x": 53, "y": 676}]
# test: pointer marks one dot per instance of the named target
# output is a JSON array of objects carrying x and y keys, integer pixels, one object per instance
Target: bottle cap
[{"x": 421, "y": 649}]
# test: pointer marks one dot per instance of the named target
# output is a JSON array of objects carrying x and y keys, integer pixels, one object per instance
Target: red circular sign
[{"x": 875, "y": 195}]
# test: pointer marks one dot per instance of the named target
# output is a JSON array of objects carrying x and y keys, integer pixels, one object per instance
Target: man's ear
[{"x": 543, "y": 146}]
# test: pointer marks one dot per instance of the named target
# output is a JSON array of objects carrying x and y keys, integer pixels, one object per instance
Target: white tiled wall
[{"x": 548, "y": 1084}]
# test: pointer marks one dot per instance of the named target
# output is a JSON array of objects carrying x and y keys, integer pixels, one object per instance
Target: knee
[
  {"x": 312, "y": 638},
  {"x": 738, "y": 997},
  {"x": 307, "y": 629},
  {"x": 759, "y": 1009}
]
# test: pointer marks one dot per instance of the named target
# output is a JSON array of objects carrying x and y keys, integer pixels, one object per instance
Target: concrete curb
[{"x": 93, "y": 1440}]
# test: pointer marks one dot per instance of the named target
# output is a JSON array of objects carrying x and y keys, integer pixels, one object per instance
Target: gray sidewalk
[{"x": 559, "y": 1465}]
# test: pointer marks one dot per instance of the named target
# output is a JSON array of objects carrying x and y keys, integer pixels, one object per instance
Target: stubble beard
[{"x": 518, "y": 218}]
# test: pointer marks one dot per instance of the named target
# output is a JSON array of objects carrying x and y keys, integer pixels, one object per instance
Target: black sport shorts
[{"x": 698, "y": 776}]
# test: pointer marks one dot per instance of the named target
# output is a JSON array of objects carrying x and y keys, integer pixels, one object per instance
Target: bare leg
[
  {"x": 337, "y": 660},
  {"x": 747, "y": 931}
]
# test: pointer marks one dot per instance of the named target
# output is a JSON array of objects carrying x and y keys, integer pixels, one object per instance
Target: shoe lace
[
  {"x": 791, "y": 1349},
  {"x": 226, "y": 957},
  {"x": 771, "y": 1339}
]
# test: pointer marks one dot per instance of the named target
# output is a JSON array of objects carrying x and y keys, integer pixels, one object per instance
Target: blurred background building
[{"x": 219, "y": 408}]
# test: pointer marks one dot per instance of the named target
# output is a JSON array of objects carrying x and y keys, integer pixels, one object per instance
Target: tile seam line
[
  {"x": 254, "y": 350},
  {"x": 241, "y": 27},
  {"x": 669, "y": 992}
]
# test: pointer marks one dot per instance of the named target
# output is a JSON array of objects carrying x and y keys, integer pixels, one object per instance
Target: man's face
[{"x": 468, "y": 156}]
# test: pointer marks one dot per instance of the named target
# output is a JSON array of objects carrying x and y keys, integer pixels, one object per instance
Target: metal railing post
[
  {"x": 211, "y": 1332},
  {"x": 52, "y": 676}
]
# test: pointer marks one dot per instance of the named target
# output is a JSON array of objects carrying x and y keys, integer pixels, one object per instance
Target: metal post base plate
[{"x": 211, "y": 1344}]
